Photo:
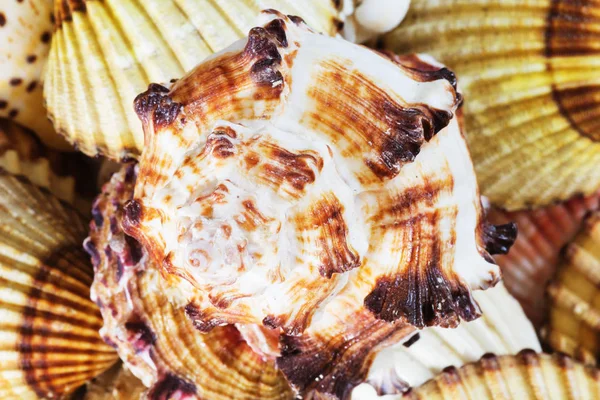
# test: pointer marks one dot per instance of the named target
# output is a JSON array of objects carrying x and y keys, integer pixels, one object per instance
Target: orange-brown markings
[
  {"x": 419, "y": 286},
  {"x": 276, "y": 166},
  {"x": 326, "y": 218},
  {"x": 64, "y": 9},
  {"x": 251, "y": 218},
  {"x": 334, "y": 363},
  {"x": 420, "y": 70},
  {"x": 571, "y": 32},
  {"x": 364, "y": 122}
]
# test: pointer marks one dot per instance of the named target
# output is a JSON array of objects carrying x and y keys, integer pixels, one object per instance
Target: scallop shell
[
  {"x": 22, "y": 154},
  {"x": 503, "y": 329},
  {"x": 118, "y": 383},
  {"x": 151, "y": 332},
  {"x": 527, "y": 375},
  {"x": 529, "y": 72},
  {"x": 572, "y": 325},
  {"x": 25, "y": 31},
  {"x": 106, "y": 52},
  {"x": 533, "y": 259},
  {"x": 49, "y": 332},
  {"x": 290, "y": 165}
]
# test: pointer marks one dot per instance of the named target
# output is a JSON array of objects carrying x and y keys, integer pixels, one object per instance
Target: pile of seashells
[{"x": 299, "y": 199}]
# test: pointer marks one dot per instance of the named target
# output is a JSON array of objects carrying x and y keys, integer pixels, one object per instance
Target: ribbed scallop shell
[
  {"x": 526, "y": 375},
  {"x": 301, "y": 182},
  {"x": 152, "y": 334},
  {"x": 533, "y": 259},
  {"x": 529, "y": 72},
  {"x": 573, "y": 324},
  {"x": 25, "y": 31},
  {"x": 106, "y": 52},
  {"x": 49, "y": 341},
  {"x": 503, "y": 329},
  {"x": 22, "y": 154}
]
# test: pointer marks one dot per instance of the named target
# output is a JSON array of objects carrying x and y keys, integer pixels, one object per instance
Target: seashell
[
  {"x": 117, "y": 383},
  {"x": 104, "y": 53},
  {"x": 533, "y": 259},
  {"x": 572, "y": 325},
  {"x": 150, "y": 330},
  {"x": 49, "y": 332},
  {"x": 527, "y": 375},
  {"x": 25, "y": 32},
  {"x": 372, "y": 18},
  {"x": 503, "y": 329},
  {"x": 529, "y": 73},
  {"x": 300, "y": 201},
  {"x": 22, "y": 154}
]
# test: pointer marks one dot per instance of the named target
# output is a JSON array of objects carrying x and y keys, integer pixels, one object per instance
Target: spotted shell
[
  {"x": 25, "y": 32},
  {"x": 150, "y": 330},
  {"x": 572, "y": 326},
  {"x": 49, "y": 331},
  {"x": 503, "y": 329},
  {"x": 529, "y": 73},
  {"x": 533, "y": 259},
  {"x": 106, "y": 52},
  {"x": 295, "y": 164},
  {"x": 527, "y": 375},
  {"x": 22, "y": 154}
]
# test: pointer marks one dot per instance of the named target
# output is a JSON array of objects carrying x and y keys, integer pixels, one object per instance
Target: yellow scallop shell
[
  {"x": 49, "y": 341},
  {"x": 529, "y": 71},
  {"x": 573, "y": 324},
  {"x": 527, "y": 375},
  {"x": 104, "y": 53}
]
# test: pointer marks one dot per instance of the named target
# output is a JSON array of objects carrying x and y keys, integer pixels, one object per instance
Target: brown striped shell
[
  {"x": 533, "y": 259},
  {"x": 527, "y": 375},
  {"x": 529, "y": 72},
  {"x": 21, "y": 153},
  {"x": 49, "y": 327},
  {"x": 573, "y": 323},
  {"x": 316, "y": 187},
  {"x": 151, "y": 332},
  {"x": 106, "y": 52},
  {"x": 25, "y": 32}
]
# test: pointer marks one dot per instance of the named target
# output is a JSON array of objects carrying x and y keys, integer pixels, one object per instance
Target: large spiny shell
[
  {"x": 22, "y": 154},
  {"x": 503, "y": 329},
  {"x": 525, "y": 376},
  {"x": 49, "y": 342},
  {"x": 573, "y": 325},
  {"x": 25, "y": 31},
  {"x": 153, "y": 336},
  {"x": 106, "y": 52},
  {"x": 305, "y": 183},
  {"x": 533, "y": 259},
  {"x": 529, "y": 72}
]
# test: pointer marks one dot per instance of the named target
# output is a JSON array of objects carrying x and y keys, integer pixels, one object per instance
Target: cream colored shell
[
  {"x": 106, "y": 52},
  {"x": 529, "y": 73},
  {"x": 49, "y": 341}
]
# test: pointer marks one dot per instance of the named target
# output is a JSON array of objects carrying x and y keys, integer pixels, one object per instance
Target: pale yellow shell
[
  {"x": 106, "y": 52},
  {"x": 22, "y": 154},
  {"x": 529, "y": 73},
  {"x": 25, "y": 31},
  {"x": 525, "y": 376},
  {"x": 573, "y": 324},
  {"x": 49, "y": 337},
  {"x": 117, "y": 383}
]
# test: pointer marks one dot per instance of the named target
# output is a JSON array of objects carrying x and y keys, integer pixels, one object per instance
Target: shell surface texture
[
  {"x": 25, "y": 32},
  {"x": 21, "y": 153},
  {"x": 106, "y": 52},
  {"x": 574, "y": 302},
  {"x": 323, "y": 156},
  {"x": 149, "y": 328},
  {"x": 49, "y": 341},
  {"x": 503, "y": 329},
  {"x": 527, "y": 375},
  {"x": 535, "y": 255},
  {"x": 529, "y": 73}
]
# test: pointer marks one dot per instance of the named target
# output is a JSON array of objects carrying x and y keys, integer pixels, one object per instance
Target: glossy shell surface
[
  {"x": 49, "y": 341},
  {"x": 529, "y": 73}
]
